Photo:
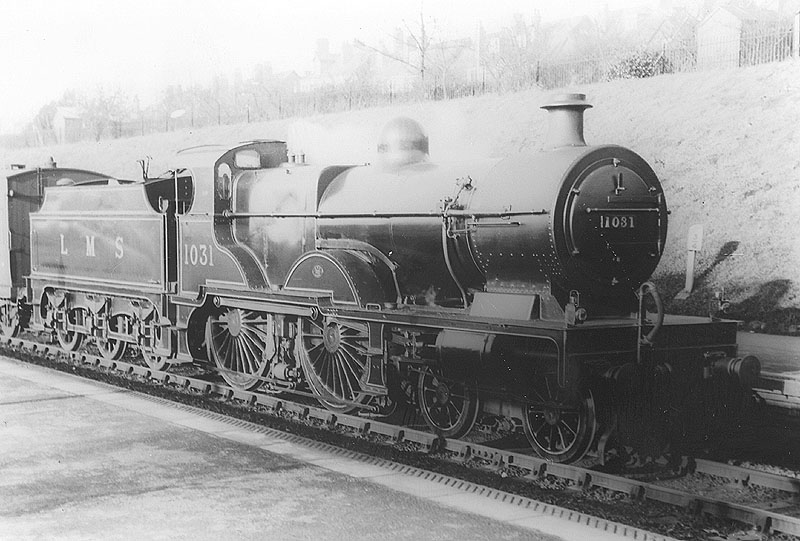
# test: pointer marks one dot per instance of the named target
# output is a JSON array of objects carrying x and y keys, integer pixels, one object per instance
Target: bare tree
[
  {"x": 422, "y": 40},
  {"x": 103, "y": 109},
  {"x": 511, "y": 56},
  {"x": 359, "y": 83},
  {"x": 444, "y": 59}
]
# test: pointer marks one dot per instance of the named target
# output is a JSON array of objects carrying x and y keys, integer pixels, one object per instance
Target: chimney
[{"x": 566, "y": 121}]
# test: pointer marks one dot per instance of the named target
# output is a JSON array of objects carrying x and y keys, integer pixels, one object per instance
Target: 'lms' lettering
[
  {"x": 90, "y": 246},
  {"x": 119, "y": 251}
]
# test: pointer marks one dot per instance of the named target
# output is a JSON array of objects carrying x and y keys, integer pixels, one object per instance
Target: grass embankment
[{"x": 725, "y": 144}]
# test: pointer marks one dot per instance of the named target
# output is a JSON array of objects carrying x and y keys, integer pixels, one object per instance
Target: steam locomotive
[{"x": 514, "y": 290}]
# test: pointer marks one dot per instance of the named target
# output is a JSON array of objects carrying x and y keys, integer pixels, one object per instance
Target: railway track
[{"x": 767, "y": 501}]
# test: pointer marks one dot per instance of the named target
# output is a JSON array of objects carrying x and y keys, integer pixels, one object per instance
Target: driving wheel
[
  {"x": 241, "y": 343},
  {"x": 333, "y": 355}
]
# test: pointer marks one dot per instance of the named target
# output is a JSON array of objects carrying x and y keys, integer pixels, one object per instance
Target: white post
[
  {"x": 694, "y": 244},
  {"x": 796, "y": 36}
]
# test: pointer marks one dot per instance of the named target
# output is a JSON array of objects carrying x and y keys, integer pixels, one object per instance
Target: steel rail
[{"x": 766, "y": 521}]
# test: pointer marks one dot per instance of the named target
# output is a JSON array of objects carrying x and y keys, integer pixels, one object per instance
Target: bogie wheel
[
  {"x": 241, "y": 343},
  {"x": 449, "y": 407},
  {"x": 559, "y": 425},
  {"x": 112, "y": 348},
  {"x": 9, "y": 319},
  {"x": 153, "y": 360},
  {"x": 333, "y": 355},
  {"x": 72, "y": 340}
]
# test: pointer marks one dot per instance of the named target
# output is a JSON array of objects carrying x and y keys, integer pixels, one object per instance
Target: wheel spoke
[
  {"x": 252, "y": 351},
  {"x": 228, "y": 361},
  {"x": 256, "y": 332},
  {"x": 354, "y": 350},
  {"x": 246, "y": 362},
  {"x": 340, "y": 376},
  {"x": 453, "y": 414},
  {"x": 346, "y": 371},
  {"x": 235, "y": 355},
  {"x": 352, "y": 363},
  {"x": 238, "y": 354},
  {"x": 561, "y": 437},
  {"x": 314, "y": 325},
  {"x": 224, "y": 347},
  {"x": 457, "y": 411},
  {"x": 572, "y": 432},
  {"x": 539, "y": 395}
]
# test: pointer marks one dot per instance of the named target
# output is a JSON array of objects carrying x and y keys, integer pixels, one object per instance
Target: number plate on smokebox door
[{"x": 617, "y": 221}]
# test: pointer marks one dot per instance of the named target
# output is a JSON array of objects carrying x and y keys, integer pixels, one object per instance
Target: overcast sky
[{"x": 140, "y": 46}]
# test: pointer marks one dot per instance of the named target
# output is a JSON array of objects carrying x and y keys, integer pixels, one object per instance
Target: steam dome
[{"x": 402, "y": 142}]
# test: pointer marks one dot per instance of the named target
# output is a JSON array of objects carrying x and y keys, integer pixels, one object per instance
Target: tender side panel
[
  {"x": 126, "y": 251},
  {"x": 107, "y": 235}
]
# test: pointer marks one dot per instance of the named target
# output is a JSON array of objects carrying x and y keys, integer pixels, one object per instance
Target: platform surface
[
  {"x": 82, "y": 460},
  {"x": 778, "y": 354}
]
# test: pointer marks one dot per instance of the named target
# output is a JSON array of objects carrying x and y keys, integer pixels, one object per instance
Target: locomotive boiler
[
  {"x": 513, "y": 291},
  {"x": 573, "y": 218}
]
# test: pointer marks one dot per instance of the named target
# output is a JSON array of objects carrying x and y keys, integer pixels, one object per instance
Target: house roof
[
  {"x": 67, "y": 112},
  {"x": 744, "y": 13}
]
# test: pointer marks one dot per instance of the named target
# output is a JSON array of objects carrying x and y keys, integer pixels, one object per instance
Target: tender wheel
[
  {"x": 153, "y": 360},
  {"x": 72, "y": 340},
  {"x": 9, "y": 320},
  {"x": 241, "y": 343},
  {"x": 333, "y": 357},
  {"x": 449, "y": 407},
  {"x": 560, "y": 426},
  {"x": 112, "y": 348}
]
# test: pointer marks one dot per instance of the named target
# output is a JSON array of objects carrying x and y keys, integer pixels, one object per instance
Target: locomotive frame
[{"x": 465, "y": 302}]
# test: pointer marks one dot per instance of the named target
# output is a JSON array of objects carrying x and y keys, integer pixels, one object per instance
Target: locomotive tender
[{"x": 512, "y": 289}]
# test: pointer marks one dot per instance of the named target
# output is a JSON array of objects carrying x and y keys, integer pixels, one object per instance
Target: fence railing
[{"x": 754, "y": 45}]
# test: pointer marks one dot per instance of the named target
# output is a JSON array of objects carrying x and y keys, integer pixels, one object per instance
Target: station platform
[
  {"x": 83, "y": 460},
  {"x": 779, "y": 383},
  {"x": 778, "y": 354}
]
